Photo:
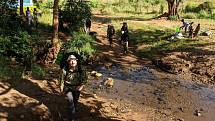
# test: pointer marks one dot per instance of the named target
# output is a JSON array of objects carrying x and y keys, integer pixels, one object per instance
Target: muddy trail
[
  {"x": 140, "y": 92},
  {"x": 159, "y": 95}
]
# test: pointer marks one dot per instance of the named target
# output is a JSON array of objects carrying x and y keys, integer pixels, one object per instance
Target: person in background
[
  {"x": 110, "y": 33},
  {"x": 124, "y": 28},
  {"x": 124, "y": 37},
  {"x": 28, "y": 16},
  {"x": 88, "y": 25},
  {"x": 72, "y": 81},
  {"x": 191, "y": 30},
  {"x": 185, "y": 25},
  {"x": 35, "y": 17},
  {"x": 196, "y": 31}
]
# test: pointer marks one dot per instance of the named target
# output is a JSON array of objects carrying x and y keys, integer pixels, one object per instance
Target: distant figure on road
[
  {"x": 124, "y": 37},
  {"x": 28, "y": 16},
  {"x": 124, "y": 28},
  {"x": 110, "y": 33},
  {"x": 196, "y": 32},
  {"x": 185, "y": 25},
  {"x": 191, "y": 30},
  {"x": 88, "y": 25},
  {"x": 35, "y": 17}
]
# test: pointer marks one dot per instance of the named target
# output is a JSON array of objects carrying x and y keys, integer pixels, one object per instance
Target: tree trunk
[
  {"x": 173, "y": 6},
  {"x": 55, "y": 21},
  {"x": 53, "y": 51},
  {"x": 21, "y": 7},
  {"x": 177, "y": 7}
]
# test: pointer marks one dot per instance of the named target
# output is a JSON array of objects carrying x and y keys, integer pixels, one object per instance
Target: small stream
[{"x": 172, "y": 98}]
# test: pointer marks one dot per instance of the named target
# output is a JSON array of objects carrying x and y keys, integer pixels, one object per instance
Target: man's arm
[{"x": 181, "y": 27}]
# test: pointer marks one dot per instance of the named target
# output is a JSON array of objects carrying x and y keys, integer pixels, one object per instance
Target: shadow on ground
[{"x": 27, "y": 100}]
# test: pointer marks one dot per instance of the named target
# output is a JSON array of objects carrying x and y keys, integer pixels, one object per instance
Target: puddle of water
[
  {"x": 143, "y": 87},
  {"x": 132, "y": 74}
]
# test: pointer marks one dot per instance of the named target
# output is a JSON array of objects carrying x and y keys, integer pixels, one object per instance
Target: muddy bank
[
  {"x": 162, "y": 96},
  {"x": 198, "y": 66}
]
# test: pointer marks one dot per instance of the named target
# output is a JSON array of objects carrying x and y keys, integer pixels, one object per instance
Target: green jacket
[{"x": 73, "y": 78}]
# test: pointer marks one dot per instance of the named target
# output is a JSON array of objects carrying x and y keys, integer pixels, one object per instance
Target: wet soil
[{"x": 162, "y": 97}]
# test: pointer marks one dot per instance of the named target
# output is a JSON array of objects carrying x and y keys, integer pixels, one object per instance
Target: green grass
[
  {"x": 163, "y": 46},
  {"x": 9, "y": 71},
  {"x": 147, "y": 10},
  {"x": 150, "y": 36},
  {"x": 15, "y": 71},
  {"x": 46, "y": 19}
]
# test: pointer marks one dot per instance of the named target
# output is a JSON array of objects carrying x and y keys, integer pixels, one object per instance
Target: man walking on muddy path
[
  {"x": 110, "y": 33},
  {"x": 124, "y": 37},
  {"x": 88, "y": 25},
  {"x": 72, "y": 82}
]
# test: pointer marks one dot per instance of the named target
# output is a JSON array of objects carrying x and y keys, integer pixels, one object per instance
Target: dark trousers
[
  {"x": 110, "y": 38},
  {"x": 125, "y": 47},
  {"x": 73, "y": 97}
]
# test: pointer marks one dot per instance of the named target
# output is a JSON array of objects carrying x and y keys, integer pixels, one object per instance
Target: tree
[
  {"x": 75, "y": 14},
  {"x": 173, "y": 6},
  {"x": 55, "y": 48},
  {"x": 21, "y": 7}
]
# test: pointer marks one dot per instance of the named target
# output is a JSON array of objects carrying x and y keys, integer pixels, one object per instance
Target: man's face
[{"x": 72, "y": 62}]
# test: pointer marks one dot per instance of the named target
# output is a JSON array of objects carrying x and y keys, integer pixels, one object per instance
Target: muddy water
[{"x": 170, "y": 97}]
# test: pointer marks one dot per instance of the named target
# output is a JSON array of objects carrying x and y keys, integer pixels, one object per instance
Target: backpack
[
  {"x": 111, "y": 30},
  {"x": 125, "y": 37}
]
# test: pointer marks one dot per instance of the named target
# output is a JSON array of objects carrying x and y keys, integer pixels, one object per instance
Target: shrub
[
  {"x": 191, "y": 8},
  {"x": 161, "y": 9},
  {"x": 37, "y": 71},
  {"x": 59, "y": 58},
  {"x": 213, "y": 16},
  {"x": 75, "y": 13},
  {"x": 174, "y": 18},
  {"x": 46, "y": 4},
  {"x": 206, "y": 6},
  {"x": 10, "y": 22},
  {"x": 83, "y": 44},
  {"x": 8, "y": 71},
  {"x": 203, "y": 14},
  {"x": 19, "y": 45},
  {"x": 190, "y": 16},
  {"x": 95, "y": 4}
]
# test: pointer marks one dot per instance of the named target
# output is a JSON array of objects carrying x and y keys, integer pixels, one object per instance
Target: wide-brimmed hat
[{"x": 71, "y": 57}]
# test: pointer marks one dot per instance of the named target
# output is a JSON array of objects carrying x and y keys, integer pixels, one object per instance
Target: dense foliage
[
  {"x": 187, "y": 8},
  {"x": 81, "y": 43},
  {"x": 74, "y": 13},
  {"x": 15, "y": 41}
]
